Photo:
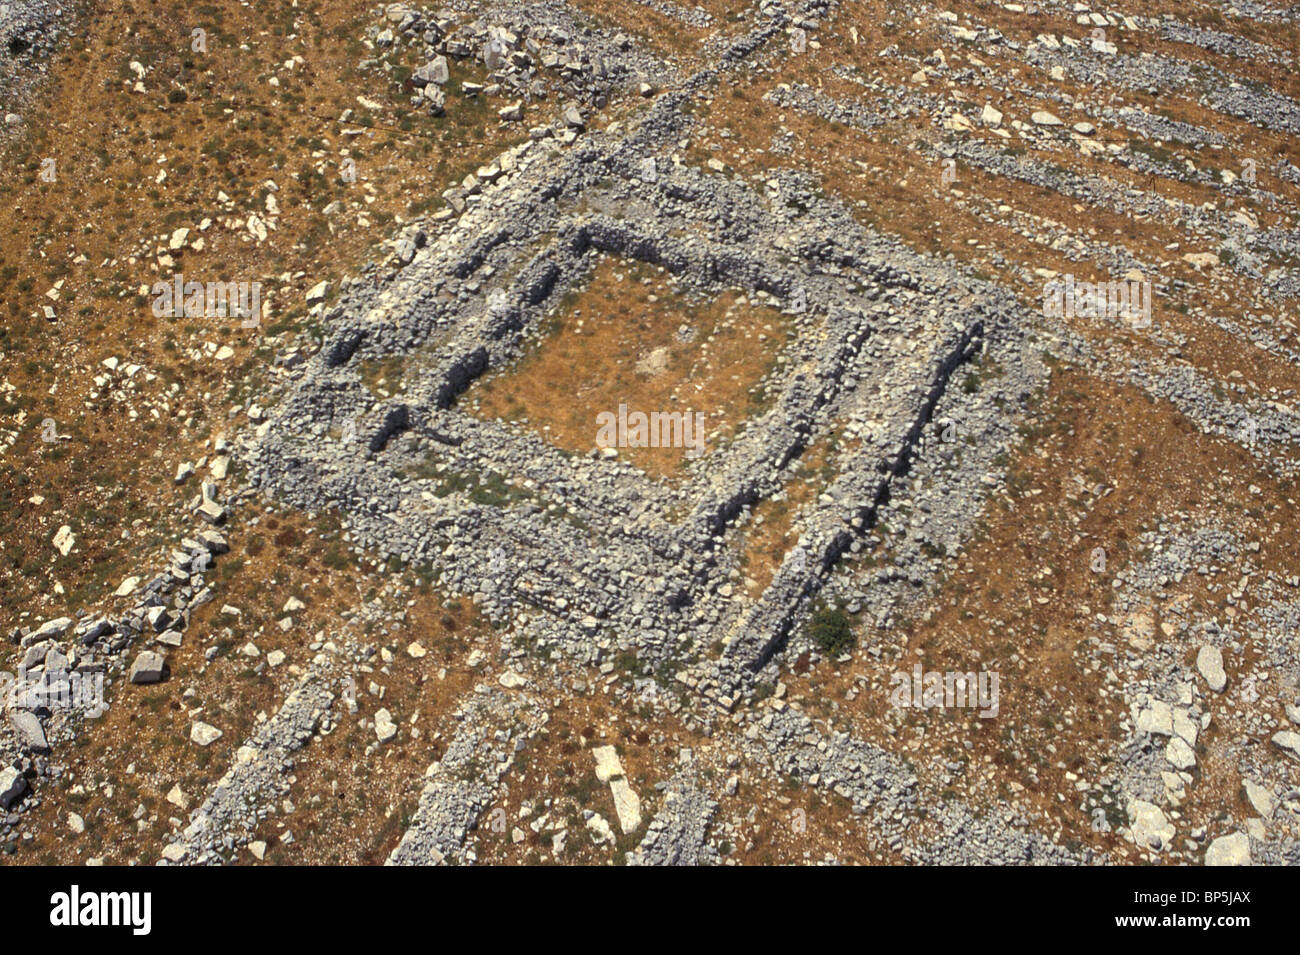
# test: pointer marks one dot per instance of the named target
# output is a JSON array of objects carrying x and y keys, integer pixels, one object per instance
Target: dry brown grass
[
  {"x": 617, "y": 342},
  {"x": 352, "y": 805},
  {"x": 556, "y": 776},
  {"x": 100, "y": 226},
  {"x": 1020, "y": 601},
  {"x": 337, "y": 818},
  {"x": 772, "y": 530},
  {"x": 895, "y": 189}
]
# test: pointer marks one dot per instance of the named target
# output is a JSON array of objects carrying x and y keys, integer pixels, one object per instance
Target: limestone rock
[
  {"x": 31, "y": 735},
  {"x": 204, "y": 734},
  {"x": 12, "y": 786},
  {"x": 1261, "y": 797},
  {"x": 385, "y": 728},
  {"x": 148, "y": 667},
  {"x": 1289, "y": 741},
  {"x": 1209, "y": 661},
  {"x": 1229, "y": 850},
  {"x": 608, "y": 765},
  {"x": 627, "y": 804},
  {"x": 1148, "y": 826}
]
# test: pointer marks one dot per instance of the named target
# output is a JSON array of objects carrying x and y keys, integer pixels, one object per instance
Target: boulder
[
  {"x": 1179, "y": 754},
  {"x": 12, "y": 786},
  {"x": 436, "y": 100},
  {"x": 608, "y": 765},
  {"x": 212, "y": 512},
  {"x": 1229, "y": 850},
  {"x": 317, "y": 293},
  {"x": 434, "y": 72},
  {"x": 204, "y": 734},
  {"x": 385, "y": 728},
  {"x": 512, "y": 680},
  {"x": 50, "y": 629},
  {"x": 148, "y": 667},
  {"x": 1261, "y": 797},
  {"x": 1156, "y": 719},
  {"x": 94, "y": 629},
  {"x": 1148, "y": 826},
  {"x": 31, "y": 735},
  {"x": 127, "y": 587},
  {"x": 214, "y": 541},
  {"x": 627, "y": 804},
  {"x": 64, "y": 540},
  {"x": 1209, "y": 661},
  {"x": 1289, "y": 741}
]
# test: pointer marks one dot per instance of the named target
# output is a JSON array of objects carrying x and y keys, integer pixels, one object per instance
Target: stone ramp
[
  {"x": 865, "y": 479},
  {"x": 678, "y": 833},
  {"x": 495, "y": 726},
  {"x": 227, "y": 818}
]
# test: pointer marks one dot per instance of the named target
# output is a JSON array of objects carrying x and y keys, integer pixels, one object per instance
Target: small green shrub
[{"x": 831, "y": 630}]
